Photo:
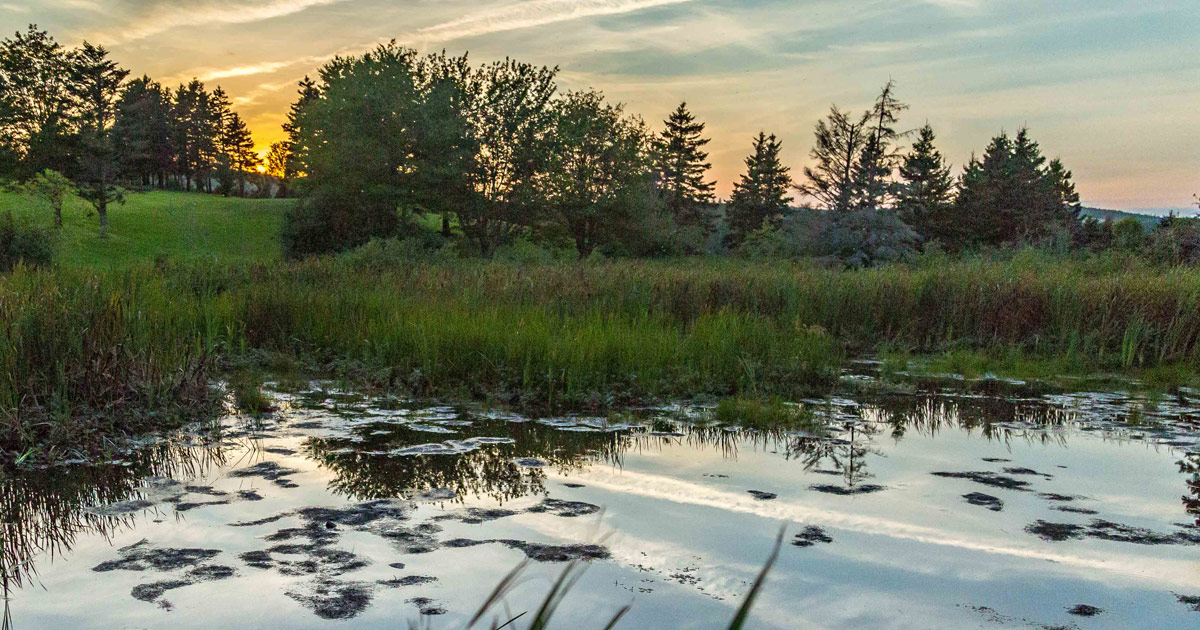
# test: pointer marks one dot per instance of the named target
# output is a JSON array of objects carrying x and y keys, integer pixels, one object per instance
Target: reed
[{"x": 120, "y": 347}]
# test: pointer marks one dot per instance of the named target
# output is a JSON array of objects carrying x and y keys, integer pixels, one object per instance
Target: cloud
[
  {"x": 166, "y": 18},
  {"x": 530, "y": 13}
]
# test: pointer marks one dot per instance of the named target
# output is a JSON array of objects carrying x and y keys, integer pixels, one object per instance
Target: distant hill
[{"x": 1116, "y": 215}]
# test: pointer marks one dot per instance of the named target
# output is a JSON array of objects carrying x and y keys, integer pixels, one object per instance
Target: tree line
[
  {"x": 498, "y": 152},
  {"x": 73, "y": 111},
  {"x": 379, "y": 138}
]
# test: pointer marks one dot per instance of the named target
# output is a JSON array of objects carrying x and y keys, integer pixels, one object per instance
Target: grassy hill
[{"x": 184, "y": 226}]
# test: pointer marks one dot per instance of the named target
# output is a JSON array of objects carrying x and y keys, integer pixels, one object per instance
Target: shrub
[
  {"x": 1176, "y": 241},
  {"x": 858, "y": 238},
  {"x": 23, "y": 242},
  {"x": 332, "y": 220}
]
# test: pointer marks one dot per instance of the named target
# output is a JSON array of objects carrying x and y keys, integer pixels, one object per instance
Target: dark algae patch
[
  {"x": 987, "y": 478},
  {"x": 271, "y": 471},
  {"x": 1107, "y": 530},
  {"x": 984, "y": 500},
  {"x": 142, "y": 556},
  {"x": 846, "y": 491},
  {"x": 1085, "y": 610},
  {"x": 811, "y": 535},
  {"x": 1191, "y": 601},
  {"x": 332, "y": 599},
  {"x": 762, "y": 496}
]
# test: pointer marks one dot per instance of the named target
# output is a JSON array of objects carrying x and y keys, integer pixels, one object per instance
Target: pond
[{"x": 908, "y": 511}]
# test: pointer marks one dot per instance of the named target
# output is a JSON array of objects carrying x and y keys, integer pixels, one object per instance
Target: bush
[
  {"x": 332, "y": 220},
  {"x": 390, "y": 253},
  {"x": 859, "y": 238},
  {"x": 1175, "y": 241},
  {"x": 23, "y": 242}
]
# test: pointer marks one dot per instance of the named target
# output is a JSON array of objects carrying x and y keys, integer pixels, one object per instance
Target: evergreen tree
[
  {"x": 239, "y": 151},
  {"x": 682, "y": 165},
  {"x": 874, "y": 187},
  {"x": 760, "y": 198},
  {"x": 193, "y": 135},
  {"x": 839, "y": 143},
  {"x": 96, "y": 83},
  {"x": 142, "y": 132},
  {"x": 297, "y": 149},
  {"x": 1012, "y": 195},
  {"x": 926, "y": 188}
]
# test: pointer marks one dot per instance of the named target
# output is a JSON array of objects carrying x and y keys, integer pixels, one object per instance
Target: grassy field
[{"x": 182, "y": 226}]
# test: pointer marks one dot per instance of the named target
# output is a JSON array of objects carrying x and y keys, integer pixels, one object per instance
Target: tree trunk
[
  {"x": 102, "y": 210},
  {"x": 446, "y": 225},
  {"x": 58, "y": 215}
]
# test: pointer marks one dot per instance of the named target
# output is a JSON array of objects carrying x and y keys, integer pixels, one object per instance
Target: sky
[{"x": 1112, "y": 87}]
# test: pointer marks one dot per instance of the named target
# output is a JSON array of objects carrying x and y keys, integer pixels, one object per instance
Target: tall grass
[{"x": 555, "y": 335}]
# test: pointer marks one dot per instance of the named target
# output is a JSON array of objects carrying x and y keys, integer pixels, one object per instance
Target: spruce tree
[
  {"x": 681, "y": 165},
  {"x": 874, "y": 187},
  {"x": 839, "y": 142},
  {"x": 760, "y": 198},
  {"x": 1013, "y": 195},
  {"x": 37, "y": 104},
  {"x": 926, "y": 188},
  {"x": 297, "y": 149},
  {"x": 142, "y": 131},
  {"x": 95, "y": 83}
]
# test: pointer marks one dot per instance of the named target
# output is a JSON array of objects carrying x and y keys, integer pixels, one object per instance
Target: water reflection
[{"x": 370, "y": 451}]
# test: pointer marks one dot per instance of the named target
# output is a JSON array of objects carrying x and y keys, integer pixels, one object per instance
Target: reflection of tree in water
[
  {"x": 1190, "y": 466},
  {"x": 45, "y": 511},
  {"x": 488, "y": 471}
]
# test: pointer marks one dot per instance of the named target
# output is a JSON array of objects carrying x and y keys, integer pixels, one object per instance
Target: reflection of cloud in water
[{"x": 1181, "y": 574}]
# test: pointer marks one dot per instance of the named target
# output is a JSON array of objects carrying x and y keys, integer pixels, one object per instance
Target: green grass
[
  {"x": 91, "y": 340},
  {"x": 181, "y": 226},
  {"x": 762, "y": 413}
]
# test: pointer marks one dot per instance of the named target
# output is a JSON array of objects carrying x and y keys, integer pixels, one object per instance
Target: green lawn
[{"x": 184, "y": 226}]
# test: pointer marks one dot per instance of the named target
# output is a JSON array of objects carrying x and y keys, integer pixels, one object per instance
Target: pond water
[{"x": 914, "y": 511}]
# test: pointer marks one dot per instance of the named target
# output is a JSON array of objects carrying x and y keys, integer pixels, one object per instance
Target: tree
[
  {"x": 840, "y": 140},
  {"x": 96, "y": 83},
  {"x": 597, "y": 175},
  {"x": 297, "y": 149},
  {"x": 238, "y": 148},
  {"x": 926, "y": 189},
  {"x": 682, "y": 166},
  {"x": 36, "y": 104},
  {"x": 276, "y": 166},
  {"x": 53, "y": 188},
  {"x": 1012, "y": 195},
  {"x": 508, "y": 121},
  {"x": 358, "y": 136},
  {"x": 873, "y": 183},
  {"x": 760, "y": 198},
  {"x": 142, "y": 132},
  {"x": 445, "y": 147},
  {"x": 193, "y": 133}
]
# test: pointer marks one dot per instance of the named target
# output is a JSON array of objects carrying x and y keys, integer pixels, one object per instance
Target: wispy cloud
[
  {"x": 530, "y": 13},
  {"x": 166, "y": 18}
]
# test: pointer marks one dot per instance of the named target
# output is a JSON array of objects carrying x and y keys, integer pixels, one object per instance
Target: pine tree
[
  {"x": 1012, "y": 195},
  {"x": 95, "y": 83},
  {"x": 926, "y": 188},
  {"x": 760, "y": 198},
  {"x": 239, "y": 150},
  {"x": 840, "y": 140},
  {"x": 193, "y": 134},
  {"x": 681, "y": 165},
  {"x": 142, "y": 132},
  {"x": 295, "y": 145},
  {"x": 874, "y": 187}
]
